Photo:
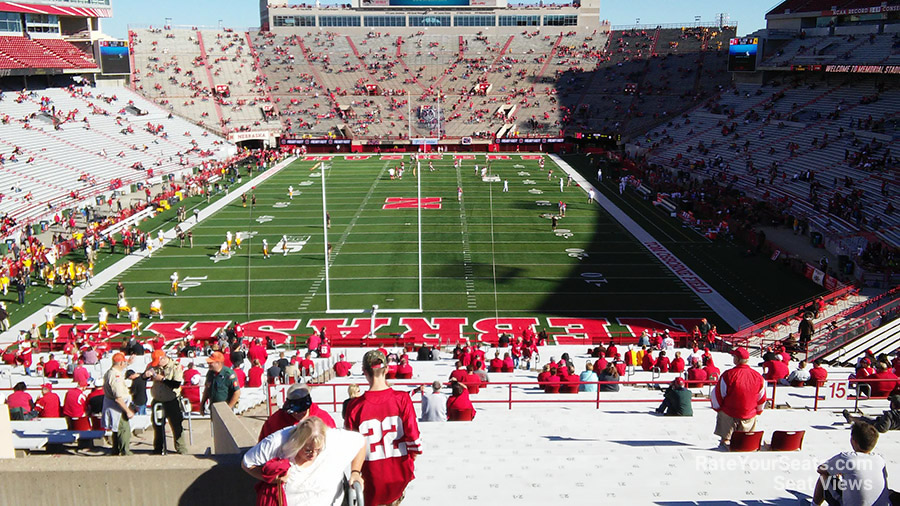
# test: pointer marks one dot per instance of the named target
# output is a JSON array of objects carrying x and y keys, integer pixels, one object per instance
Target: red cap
[
  {"x": 678, "y": 383},
  {"x": 216, "y": 357},
  {"x": 118, "y": 357},
  {"x": 155, "y": 356},
  {"x": 741, "y": 353},
  {"x": 48, "y": 386}
]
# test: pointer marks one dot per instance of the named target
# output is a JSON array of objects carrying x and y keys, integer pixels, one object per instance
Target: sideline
[
  {"x": 58, "y": 306},
  {"x": 711, "y": 297}
]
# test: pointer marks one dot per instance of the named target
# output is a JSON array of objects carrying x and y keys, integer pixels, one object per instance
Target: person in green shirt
[
  {"x": 221, "y": 382},
  {"x": 676, "y": 401}
]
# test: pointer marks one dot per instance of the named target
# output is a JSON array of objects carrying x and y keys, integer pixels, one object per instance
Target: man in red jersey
[
  {"x": 387, "y": 419},
  {"x": 75, "y": 407},
  {"x": 738, "y": 398},
  {"x": 298, "y": 405}
]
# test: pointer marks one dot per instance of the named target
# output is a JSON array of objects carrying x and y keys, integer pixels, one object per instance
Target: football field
[{"x": 485, "y": 252}]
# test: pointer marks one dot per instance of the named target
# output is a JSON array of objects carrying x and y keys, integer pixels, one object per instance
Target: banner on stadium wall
[
  {"x": 251, "y": 136},
  {"x": 314, "y": 142},
  {"x": 531, "y": 140},
  {"x": 862, "y": 10},
  {"x": 863, "y": 69}
]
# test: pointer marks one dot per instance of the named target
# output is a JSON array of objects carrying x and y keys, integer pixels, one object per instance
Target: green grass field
[{"x": 491, "y": 254}]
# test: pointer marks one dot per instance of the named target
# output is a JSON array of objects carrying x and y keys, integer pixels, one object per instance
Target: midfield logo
[
  {"x": 294, "y": 244},
  {"x": 412, "y": 203}
]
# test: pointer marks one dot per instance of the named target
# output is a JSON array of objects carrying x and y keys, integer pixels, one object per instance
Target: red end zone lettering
[
  {"x": 678, "y": 328},
  {"x": 342, "y": 334},
  {"x": 169, "y": 331},
  {"x": 579, "y": 330},
  {"x": 498, "y": 157},
  {"x": 358, "y": 157},
  {"x": 412, "y": 203},
  {"x": 392, "y": 157},
  {"x": 532, "y": 157},
  {"x": 444, "y": 331},
  {"x": 433, "y": 157},
  {"x": 490, "y": 328},
  {"x": 463, "y": 157},
  {"x": 317, "y": 158},
  {"x": 270, "y": 328}
]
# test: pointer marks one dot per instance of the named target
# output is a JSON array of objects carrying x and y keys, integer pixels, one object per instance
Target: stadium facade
[{"x": 437, "y": 16}]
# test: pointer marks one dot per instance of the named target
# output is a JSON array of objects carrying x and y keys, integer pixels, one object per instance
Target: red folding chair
[
  {"x": 746, "y": 441},
  {"x": 787, "y": 441}
]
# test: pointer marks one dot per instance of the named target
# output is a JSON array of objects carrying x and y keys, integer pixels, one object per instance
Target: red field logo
[
  {"x": 392, "y": 157},
  {"x": 532, "y": 157},
  {"x": 412, "y": 203},
  {"x": 463, "y": 157},
  {"x": 359, "y": 157},
  {"x": 498, "y": 157},
  {"x": 317, "y": 158}
]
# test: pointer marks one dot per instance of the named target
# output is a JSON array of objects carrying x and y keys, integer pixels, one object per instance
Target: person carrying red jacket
[
  {"x": 390, "y": 463},
  {"x": 739, "y": 397}
]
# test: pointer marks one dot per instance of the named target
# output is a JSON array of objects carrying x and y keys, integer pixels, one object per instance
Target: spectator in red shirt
[
  {"x": 712, "y": 372},
  {"x": 738, "y": 397},
  {"x": 648, "y": 361},
  {"x": 818, "y": 374},
  {"x": 20, "y": 403},
  {"x": 611, "y": 350},
  {"x": 48, "y": 405},
  {"x": 553, "y": 381},
  {"x": 887, "y": 381},
  {"x": 404, "y": 370},
  {"x": 663, "y": 362},
  {"x": 473, "y": 381},
  {"x": 459, "y": 374},
  {"x": 775, "y": 370},
  {"x": 459, "y": 406},
  {"x": 298, "y": 406},
  {"x": 307, "y": 366},
  {"x": 509, "y": 365},
  {"x": 496, "y": 364},
  {"x": 696, "y": 376},
  {"x": 388, "y": 468},
  {"x": 189, "y": 373},
  {"x": 241, "y": 376},
  {"x": 255, "y": 378},
  {"x": 51, "y": 367},
  {"x": 257, "y": 352},
  {"x": 75, "y": 408},
  {"x": 677, "y": 363},
  {"x": 342, "y": 367}
]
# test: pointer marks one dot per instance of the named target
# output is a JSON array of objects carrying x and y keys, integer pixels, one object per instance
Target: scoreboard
[
  {"x": 113, "y": 55},
  {"x": 742, "y": 54}
]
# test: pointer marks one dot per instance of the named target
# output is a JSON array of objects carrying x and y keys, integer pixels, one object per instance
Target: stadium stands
[
  {"x": 537, "y": 82},
  {"x": 49, "y": 139}
]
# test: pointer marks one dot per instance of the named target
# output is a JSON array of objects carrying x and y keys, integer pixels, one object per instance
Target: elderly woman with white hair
[{"x": 305, "y": 464}]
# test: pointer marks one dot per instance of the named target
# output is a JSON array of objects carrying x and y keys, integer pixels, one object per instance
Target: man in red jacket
[
  {"x": 387, "y": 419},
  {"x": 297, "y": 407},
  {"x": 738, "y": 398},
  {"x": 48, "y": 406},
  {"x": 818, "y": 374},
  {"x": 775, "y": 370}
]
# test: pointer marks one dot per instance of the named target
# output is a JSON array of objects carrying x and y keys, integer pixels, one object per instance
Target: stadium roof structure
[{"x": 834, "y": 7}]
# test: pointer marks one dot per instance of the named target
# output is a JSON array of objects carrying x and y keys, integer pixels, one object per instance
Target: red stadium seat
[
  {"x": 746, "y": 441},
  {"x": 787, "y": 441},
  {"x": 463, "y": 415}
]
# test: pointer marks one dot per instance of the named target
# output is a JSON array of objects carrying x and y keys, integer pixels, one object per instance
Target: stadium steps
[
  {"x": 210, "y": 81},
  {"x": 884, "y": 339}
]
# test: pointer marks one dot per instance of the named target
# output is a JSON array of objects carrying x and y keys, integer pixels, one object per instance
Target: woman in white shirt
[{"x": 316, "y": 459}]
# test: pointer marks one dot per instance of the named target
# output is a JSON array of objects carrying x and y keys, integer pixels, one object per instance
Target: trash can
[
  {"x": 815, "y": 239},
  {"x": 133, "y": 188},
  {"x": 4, "y": 248}
]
